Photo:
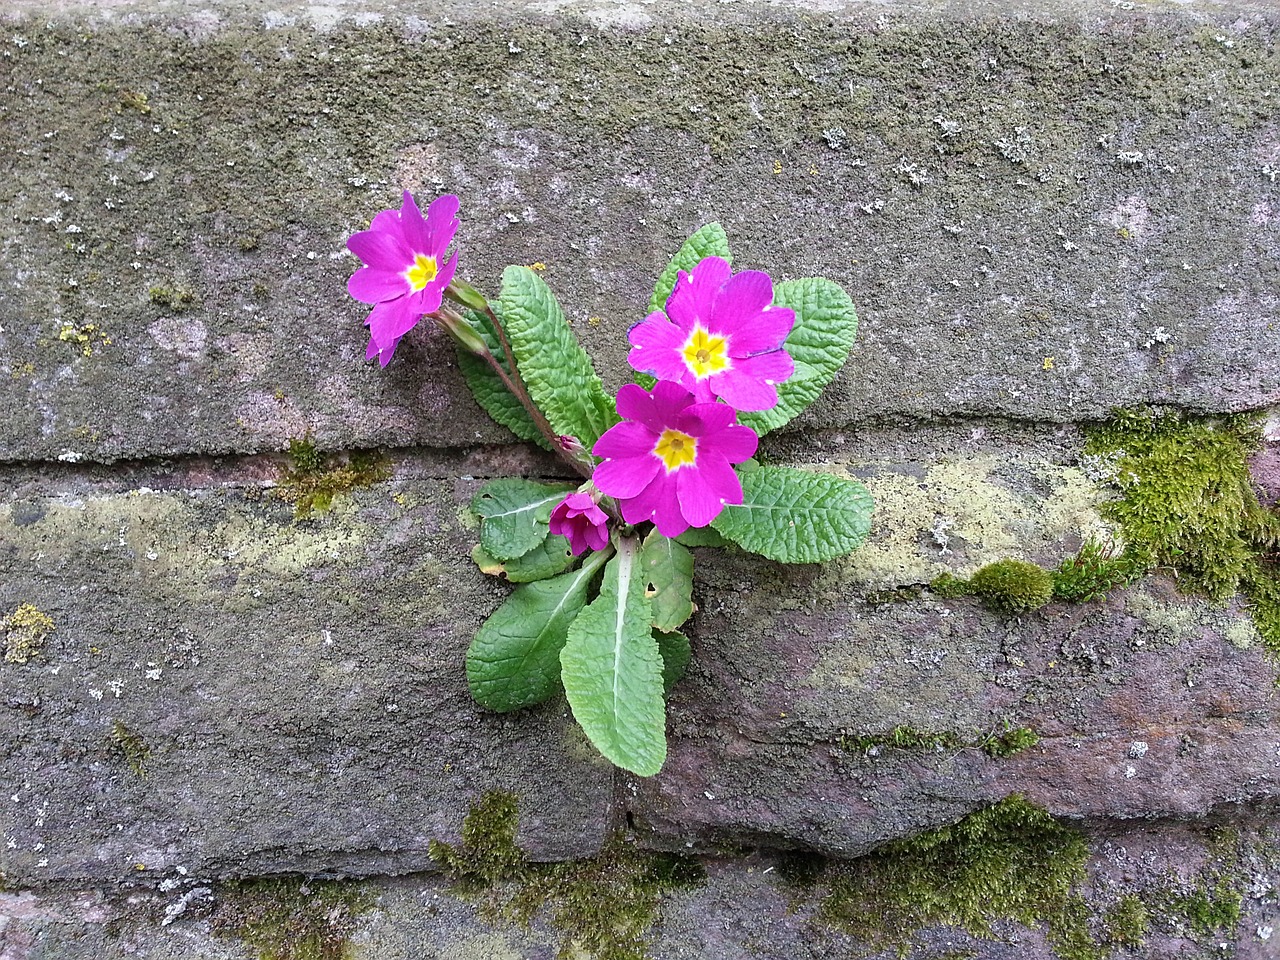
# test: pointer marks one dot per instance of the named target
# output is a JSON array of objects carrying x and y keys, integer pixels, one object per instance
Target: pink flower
[
  {"x": 406, "y": 275},
  {"x": 579, "y": 518},
  {"x": 670, "y": 459},
  {"x": 722, "y": 338}
]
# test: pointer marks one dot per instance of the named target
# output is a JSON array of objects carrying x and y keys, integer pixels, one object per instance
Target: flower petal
[
  {"x": 766, "y": 330},
  {"x": 626, "y": 477},
  {"x": 381, "y": 248},
  {"x": 669, "y": 398},
  {"x": 414, "y": 227},
  {"x": 657, "y": 502},
  {"x": 700, "y": 419},
  {"x": 629, "y": 438},
  {"x": 635, "y": 403},
  {"x": 720, "y": 479},
  {"x": 743, "y": 391},
  {"x": 695, "y": 293},
  {"x": 657, "y": 342},
  {"x": 734, "y": 444},
  {"x": 743, "y": 295},
  {"x": 392, "y": 319},
  {"x": 699, "y": 503},
  {"x": 442, "y": 223},
  {"x": 372, "y": 285}
]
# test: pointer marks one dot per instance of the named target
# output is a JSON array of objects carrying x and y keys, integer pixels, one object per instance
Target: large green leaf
[
  {"x": 795, "y": 516},
  {"x": 819, "y": 343},
  {"x": 554, "y": 367},
  {"x": 612, "y": 669},
  {"x": 487, "y": 387},
  {"x": 708, "y": 241},
  {"x": 548, "y": 558},
  {"x": 668, "y": 569},
  {"x": 514, "y": 660},
  {"x": 514, "y": 514}
]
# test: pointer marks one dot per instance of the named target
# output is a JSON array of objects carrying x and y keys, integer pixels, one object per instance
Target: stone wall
[{"x": 1043, "y": 212}]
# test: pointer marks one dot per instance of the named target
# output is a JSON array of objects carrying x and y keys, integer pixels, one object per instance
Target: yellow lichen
[
  {"x": 26, "y": 630},
  {"x": 83, "y": 336}
]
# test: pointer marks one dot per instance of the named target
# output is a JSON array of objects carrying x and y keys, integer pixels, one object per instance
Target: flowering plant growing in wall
[{"x": 602, "y": 568}]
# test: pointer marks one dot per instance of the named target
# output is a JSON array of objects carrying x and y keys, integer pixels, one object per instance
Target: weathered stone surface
[
  {"x": 1041, "y": 210},
  {"x": 228, "y": 691},
  {"x": 743, "y": 910}
]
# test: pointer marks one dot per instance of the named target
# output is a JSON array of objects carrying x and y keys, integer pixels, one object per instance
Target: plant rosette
[{"x": 602, "y": 569}]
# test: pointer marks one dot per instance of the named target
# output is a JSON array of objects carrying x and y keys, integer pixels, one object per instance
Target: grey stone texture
[{"x": 1042, "y": 211}]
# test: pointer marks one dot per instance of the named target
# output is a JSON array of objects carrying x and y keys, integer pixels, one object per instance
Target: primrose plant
[{"x": 603, "y": 570}]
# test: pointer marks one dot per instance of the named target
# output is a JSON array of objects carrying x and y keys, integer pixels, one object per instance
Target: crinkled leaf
[
  {"x": 668, "y": 569},
  {"x": 556, "y": 370},
  {"x": 514, "y": 514},
  {"x": 548, "y": 558},
  {"x": 489, "y": 390},
  {"x": 819, "y": 343},
  {"x": 612, "y": 669},
  {"x": 708, "y": 241},
  {"x": 676, "y": 654},
  {"x": 514, "y": 660},
  {"x": 795, "y": 516}
]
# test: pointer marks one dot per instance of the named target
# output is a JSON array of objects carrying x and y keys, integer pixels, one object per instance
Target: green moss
[
  {"x": 130, "y": 746},
  {"x": 603, "y": 907},
  {"x": 950, "y": 587},
  {"x": 176, "y": 299},
  {"x": 995, "y": 745},
  {"x": 314, "y": 478},
  {"x": 1126, "y": 923},
  {"x": 1096, "y": 570},
  {"x": 291, "y": 918},
  {"x": 1011, "y": 861},
  {"x": 1012, "y": 586},
  {"x": 1187, "y": 503}
]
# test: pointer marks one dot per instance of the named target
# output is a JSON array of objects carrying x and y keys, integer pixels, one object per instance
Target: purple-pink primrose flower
[
  {"x": 579, "y": 518},
  {"x": 670, "y": 459},
  {"x": 405, "y": 274},
  {"x": 719, "y": 337}
]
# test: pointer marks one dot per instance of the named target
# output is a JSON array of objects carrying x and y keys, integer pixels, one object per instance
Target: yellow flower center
[
  {"x": 422, "y": 272},
  {"x": 676, "y": 449},
  {"x": 705, "y": 354}
]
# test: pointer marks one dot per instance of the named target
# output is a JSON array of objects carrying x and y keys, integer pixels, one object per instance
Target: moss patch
[
  {"x": 1095, "y": 570},
  {"x": 601, "y": 907},
  {"x": 291, "y": 918},
  {"x": 1187, "y": 502},
  {"x": 1011, "y": 861},
  {"x": 25, "y": 631},
  {"x": 1126, "y": 923},
  {"x": 129, "y": 745},
  {"x": 1006, "y": 586},
  {"x": 314, "y": 478},
  {"x": 996, "y": 745}
]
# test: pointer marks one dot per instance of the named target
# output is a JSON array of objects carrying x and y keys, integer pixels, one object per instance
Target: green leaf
[
  {"x": 556, "y": 370},
  {"x": 548, "y": 558},
  {"x": 796, "y": 516},
  {"x": 514, "y": 514},
  {"x": 668, "y": 569},
  {"x": 819, "y": 343},
  {"x": 676, "y": 654},
  {"x": 489, "y": 390},
  {"x": 514, "y": 660},
  {"x": 612, "y": 669},
  {"x": 708, "y": 241},
  {"x": 701, "y": 537}
]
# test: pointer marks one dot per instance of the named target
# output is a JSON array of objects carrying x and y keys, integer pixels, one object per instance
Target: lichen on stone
[{"x": 25, "y": 631}]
